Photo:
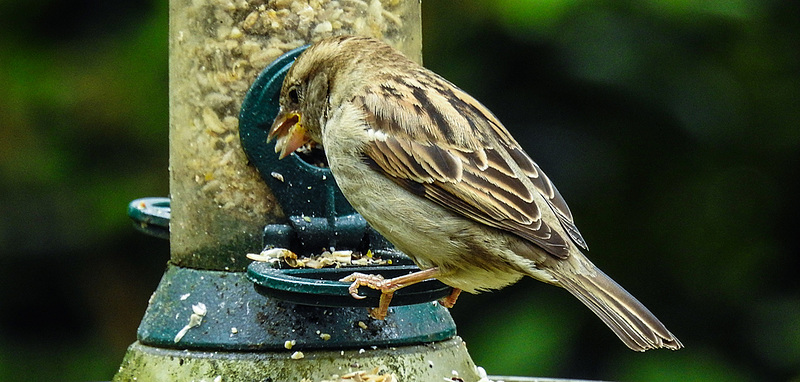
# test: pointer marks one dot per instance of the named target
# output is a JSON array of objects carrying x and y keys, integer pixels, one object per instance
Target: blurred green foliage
[{"x": 671, "y": 127}]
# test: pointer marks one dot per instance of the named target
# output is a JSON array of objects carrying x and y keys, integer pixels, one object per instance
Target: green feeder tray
[{"x": 321, "y": 287}]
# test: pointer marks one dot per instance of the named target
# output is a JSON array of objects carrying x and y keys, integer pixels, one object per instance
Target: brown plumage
[{"x": 438, "y": 175}]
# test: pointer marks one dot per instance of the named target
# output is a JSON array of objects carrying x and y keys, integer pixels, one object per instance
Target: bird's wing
[{"x": 445, "y": 146}]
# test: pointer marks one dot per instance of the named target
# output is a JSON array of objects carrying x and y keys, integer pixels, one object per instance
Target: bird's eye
[{"x": 293, "y": 96}]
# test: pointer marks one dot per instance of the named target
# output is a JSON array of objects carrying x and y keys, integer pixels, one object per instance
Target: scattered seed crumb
[
  {"x": 185, "y": 296},
  {"x": 325, "y": 336},
  {"x": 234, "y": 330},
  {"x": 328, "y": 258},
  {"x": 483, "y": 376},
  {"x": 373, "y": 375},
  {"x": 289, "y": 344},
  {"x": 298, "y": 355},
  {"x": 277, "y": 175},
  {"x": 362, "y": 325},
  {"x": 273, "y": 255},
  {"x": 199, "y": 311}
]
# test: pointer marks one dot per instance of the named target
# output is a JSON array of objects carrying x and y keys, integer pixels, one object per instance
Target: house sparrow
[{"x": 436, "y": 173}]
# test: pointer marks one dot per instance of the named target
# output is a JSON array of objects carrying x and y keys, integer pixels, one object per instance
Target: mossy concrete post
[{"x": 206, "y": 322}]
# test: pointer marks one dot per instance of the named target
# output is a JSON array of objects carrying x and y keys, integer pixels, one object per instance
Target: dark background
[{"x": 671, "y": 127}]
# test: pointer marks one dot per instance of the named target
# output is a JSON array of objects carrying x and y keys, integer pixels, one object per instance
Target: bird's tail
[{"x": 631, "y": 321}]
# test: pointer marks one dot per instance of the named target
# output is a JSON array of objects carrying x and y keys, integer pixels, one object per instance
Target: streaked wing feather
[
  {"x": 468, "y": 173},
  {"x": 547, "y": 189}
]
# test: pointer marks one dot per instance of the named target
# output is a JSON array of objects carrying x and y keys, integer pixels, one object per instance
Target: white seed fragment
[
  {"x": 199, "y": 311},
  {"x": 272, "y": 255},
  {"x": 342, "y": 256},
  {"x": 212, "y": 121},
  {"x": 298, "y": 355},
  {"x": 481, "y": 372},
  {"x": 323, "y": 27},
  {"x": 289, "y": 343}
]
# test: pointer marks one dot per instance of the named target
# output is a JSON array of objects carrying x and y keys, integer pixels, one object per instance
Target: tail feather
[{"x": 631, "y": 321}]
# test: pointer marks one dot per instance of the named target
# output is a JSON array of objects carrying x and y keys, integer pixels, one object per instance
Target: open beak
[{"x": 290, "y": 133}]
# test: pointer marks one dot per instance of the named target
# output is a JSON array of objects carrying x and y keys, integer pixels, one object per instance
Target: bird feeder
[{"x": 218, "y": 316}]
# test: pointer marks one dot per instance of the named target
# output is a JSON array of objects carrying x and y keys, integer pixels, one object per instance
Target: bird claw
[
  {"x": 450, "y": 300},
  {"x": 354, "y": 293},
  {"x": 360, "y": 279}
]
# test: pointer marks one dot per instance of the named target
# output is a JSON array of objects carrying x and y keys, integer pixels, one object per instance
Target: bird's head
[
  {"x": 311, "y": 87},
  {"x": 303, "y": 100}
]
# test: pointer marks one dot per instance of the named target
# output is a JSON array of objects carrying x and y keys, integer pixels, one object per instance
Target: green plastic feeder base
[
  {"x": 202, "y": 309},
  {"x": 432, "y": 362}
]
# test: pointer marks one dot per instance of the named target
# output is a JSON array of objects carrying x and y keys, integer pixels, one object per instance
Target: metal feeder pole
[{"x": 216, "y": 317}]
